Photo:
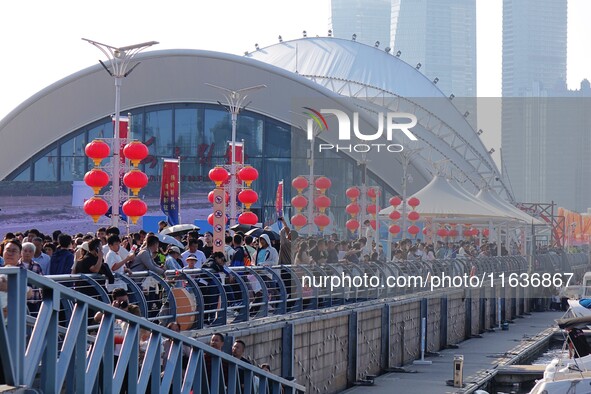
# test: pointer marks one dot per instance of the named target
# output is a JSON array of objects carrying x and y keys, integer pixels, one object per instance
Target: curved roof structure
[
  {"x": 168, "y": 76},
  {"x": 342, "y": 73},
  {"x": 381, "y": 81}
]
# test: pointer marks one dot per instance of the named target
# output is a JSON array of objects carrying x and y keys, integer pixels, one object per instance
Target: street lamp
[
  {"x": 235, "y": 100},
  {"x": 119, "y": 60}
]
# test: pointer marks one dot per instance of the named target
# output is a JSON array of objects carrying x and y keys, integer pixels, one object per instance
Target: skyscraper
[
  {"x": 369, "y": 20},
  {"x": 545, "y": 127},
  {"x": 534, "y": 46},
  {"x": 441, "y": 36}
]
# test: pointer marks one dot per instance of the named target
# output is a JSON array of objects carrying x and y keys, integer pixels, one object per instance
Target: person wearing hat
[
  {"x": 193, "y": 248},
  {"x": 173, "y": 261},
  {"x": 191, "y": 260}
]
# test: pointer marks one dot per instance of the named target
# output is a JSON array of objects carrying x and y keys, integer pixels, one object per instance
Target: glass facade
[{"x": 199, "y": 135}]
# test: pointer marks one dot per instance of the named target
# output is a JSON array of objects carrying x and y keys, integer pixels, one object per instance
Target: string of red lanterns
[
  {"x": 353, "y": 208},
  {"x": 97, "y": 179},
  {"x": 135, "y": 180},
  {"x": 412, "y": 216},
  {"x": 247, "y": 196},
  {"x": 319, "y": 198},
  {"x": 394, "y": 229}
]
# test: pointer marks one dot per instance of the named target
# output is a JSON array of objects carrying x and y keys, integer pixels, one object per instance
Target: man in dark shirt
[
  {"x": 92, "y": 262},
  {"x": 207, "y": 244},
  {"x": 238, "y": 349},
  {"x": 62, "y": 260},
  {"x": 333, "y": 253},
  {"x": 216, "y": 342},
  {"x": 239, "y": 252},
  {"x": 319, "y": 253}
]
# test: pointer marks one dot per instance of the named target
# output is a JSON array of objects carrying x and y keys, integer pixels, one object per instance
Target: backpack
[{"x": 247, "y": 260}]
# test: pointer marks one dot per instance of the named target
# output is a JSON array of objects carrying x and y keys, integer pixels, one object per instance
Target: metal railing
[
  {"x": 55, "y": 353},
  {"x": 201, "y": 298},
  {"x": 49, "y": 320}
]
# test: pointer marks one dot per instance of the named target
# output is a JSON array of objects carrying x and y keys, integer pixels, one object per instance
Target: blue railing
[
  {"x": 59, "y": 326},
  {"x": 251, "y": 292},
  {"x": 53, "y": 353}
]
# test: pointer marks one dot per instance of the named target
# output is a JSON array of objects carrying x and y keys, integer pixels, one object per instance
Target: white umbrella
[
  {"x": 179, "y": 229},
  {"x": 167, "y": 239}
]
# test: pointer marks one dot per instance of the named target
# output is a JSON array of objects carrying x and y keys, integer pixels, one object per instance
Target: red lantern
[
  {"x": 414, "y": 202},
  {"x": 134, "y": 208},
  {"x": 248, "y": 174},
  {"x": 299, "y": 202},
  {"x": 413, "y": 230},
  {"x": 218, "y": 175},
  {"x": 352, "y": 193},
  {"x": 425, "y": 231},
  {"x": 210, "y": 219},
  {"x": 299, "y": 183},
  {"x": 372, "y": 193},
  {"x": 372, "y": 209},
  {"x": 373, "y": 223},
  {"x": 248, "y": 218},
  {"x": 96, "y": 179},
  {"x": 322, "y": 183},
  {"x": 395, "y": 215},
  {"x": 299, "y": 221},
  {"x": 248, "y": 197},
  {"x": 135, "y": 180},
  {"x": 97, "y": 150},
  {"x": 95, "y": 208},
  {"x": 486, "y": 232},
  {"x": 353, "y": 209},
  {"x": 394, "y": 229},
  {"x": 352, "y": 225},
  {"x": 442, "y": 233},
  {"x": 321, "y": 221},
  {"x": 474, "y": 232},
  {"x": 210, "y": 197},
  {"x": 322, "y": 202},
  {"x": 395, "y": 201},
  {"x": 453, "y": 233},
  {"x": 135, "y": 151},
  {"x": 413, "y": 216},
  {"x": 467, "y": 233}
]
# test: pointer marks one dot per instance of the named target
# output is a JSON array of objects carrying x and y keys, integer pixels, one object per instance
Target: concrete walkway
[{"x": 480, "y": 354}]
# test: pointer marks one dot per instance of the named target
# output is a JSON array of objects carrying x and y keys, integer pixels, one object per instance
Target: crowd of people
[
  {"x": 108, "y": 252},
  {"x": 111, "y": 254}
]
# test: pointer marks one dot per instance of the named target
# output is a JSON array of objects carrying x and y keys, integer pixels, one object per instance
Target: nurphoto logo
[{"x": 395, "y": 121}]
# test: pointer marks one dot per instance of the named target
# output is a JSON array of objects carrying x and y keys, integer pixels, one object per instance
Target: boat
[
  {"x": 572, "y": 374},
  {"x": 579, "y": 298}
]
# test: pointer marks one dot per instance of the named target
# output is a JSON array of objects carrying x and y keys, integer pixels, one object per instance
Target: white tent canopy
[
  {"x": 441, "y": 199},
  {"x": 490, "y": 197}
]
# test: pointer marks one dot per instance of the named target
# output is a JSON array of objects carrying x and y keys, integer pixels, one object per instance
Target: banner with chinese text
[
  {"x": 279, "y": 201},
  {"x": 169, "y": 191}
]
